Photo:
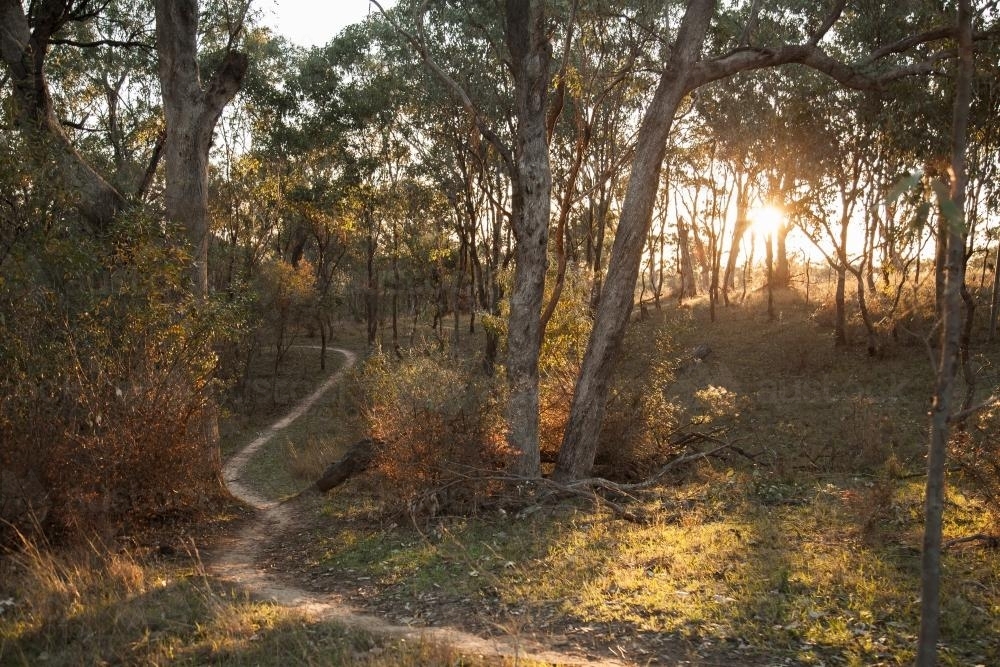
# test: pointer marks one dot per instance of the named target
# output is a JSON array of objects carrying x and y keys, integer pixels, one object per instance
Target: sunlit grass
[
  {"x": 97, "y": 607},
  {"x": 731, "y": 568}
]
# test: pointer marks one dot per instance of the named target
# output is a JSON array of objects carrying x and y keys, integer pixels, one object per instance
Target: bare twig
[{"x": 962, "y": 415}]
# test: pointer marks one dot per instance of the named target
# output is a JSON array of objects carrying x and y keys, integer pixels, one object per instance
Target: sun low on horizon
[{"x": 765, "y": 220}]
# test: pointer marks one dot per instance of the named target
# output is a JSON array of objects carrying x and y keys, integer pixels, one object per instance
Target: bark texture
[
  {"x": 23, "y": 49},
  {"x": 532, "y": 184},
  {"x": 191, "y": 113},
  {"x": 579, "y": 446}
]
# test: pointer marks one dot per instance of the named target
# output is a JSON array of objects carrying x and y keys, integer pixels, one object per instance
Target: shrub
[
  {"x": 441, "y": 433},
  {"x": 976, "y": 453},
  {"x": 640, "y": 417},
  {"x": 106, "y": 368}
]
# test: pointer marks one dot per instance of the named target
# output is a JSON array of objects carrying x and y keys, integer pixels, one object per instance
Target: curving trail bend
[{"x": 237, "y": 563}]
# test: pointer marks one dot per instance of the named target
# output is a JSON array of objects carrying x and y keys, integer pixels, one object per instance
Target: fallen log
[{"x": 355, "y": 460}]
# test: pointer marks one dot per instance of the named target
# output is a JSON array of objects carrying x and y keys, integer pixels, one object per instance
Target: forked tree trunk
[
  {"x": 191, "y": 113},
  {"x": 739, "y": 230},
  {"x": 579, "y": 446}
]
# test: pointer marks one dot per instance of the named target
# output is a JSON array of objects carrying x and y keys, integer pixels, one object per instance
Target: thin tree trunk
[
  {"x": 953, "y": 280},
  {"x": 807, "y": 263},
  {"x": 688, "y": 286},
  {"x": 770, "y": 276},
  {"x": 840, "y": 327},
  {"x": 995, "y": 298},
  {"x": 739, "y": 229},
  {"x": 598, "y": 267},
  {"x": 782, "y": 275},
  {"x": 840, "y": 333},
  {"x": 371, "y": 292},
  {"x": 866, "y": 317}
]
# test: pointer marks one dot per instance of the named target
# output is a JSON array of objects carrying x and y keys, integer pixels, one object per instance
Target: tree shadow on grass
[{"x": 192, "y": 620}]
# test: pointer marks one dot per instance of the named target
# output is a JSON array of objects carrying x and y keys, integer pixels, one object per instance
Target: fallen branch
[
  {"x": 989, "y": 541},
  {"x": 355, "y": 460},
  {"x": 593, "y": 488}
]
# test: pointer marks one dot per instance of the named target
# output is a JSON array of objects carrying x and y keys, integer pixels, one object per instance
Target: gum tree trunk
[
  {"x": 532, "y": 185},
  {"x": 191, "y": 113},
  {"x": 579, "y": 446}
]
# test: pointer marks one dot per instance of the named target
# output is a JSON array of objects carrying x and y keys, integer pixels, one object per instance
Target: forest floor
[
  {"x": 807, "y": 552},
  {"x": 803, "y": 552}
]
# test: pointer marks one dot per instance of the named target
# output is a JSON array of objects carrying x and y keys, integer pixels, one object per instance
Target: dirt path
[{"x": 238, "y": 562}]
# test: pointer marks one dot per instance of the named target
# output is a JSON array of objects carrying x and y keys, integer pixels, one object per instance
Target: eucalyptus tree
[
  {"x": 528, "y": 56},
  {"x": 27, "y": 40},
  {"x": 86, "y": 103},
  {"x": 685, "y": 69}
]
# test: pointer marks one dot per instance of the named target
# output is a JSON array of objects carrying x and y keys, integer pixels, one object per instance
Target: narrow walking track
[{"x": 238, "y": 563}]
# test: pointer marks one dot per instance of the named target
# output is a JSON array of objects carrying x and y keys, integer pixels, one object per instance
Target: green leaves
[
  {"x": 905, "y": 183},
  {"x": 913, "y": 183}
]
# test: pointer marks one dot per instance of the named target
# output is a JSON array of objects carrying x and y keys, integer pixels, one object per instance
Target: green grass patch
[{"x": 812, "y": 577}]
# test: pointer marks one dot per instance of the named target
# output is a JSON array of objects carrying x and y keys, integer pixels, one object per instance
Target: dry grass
[
  {"x": 806, "y": 554},
  {"x": 96, "y": 607}
]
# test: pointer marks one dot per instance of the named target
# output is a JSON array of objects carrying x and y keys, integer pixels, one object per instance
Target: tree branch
[
  {"x": 419, "y": 44},
  {"x": 740, "y": 60},
  {"x": 962, "y": 415},
  {"x": 831, "y": 18},
  {"x": 908, "y": 43},
  {"x": 102, "y": 42}
]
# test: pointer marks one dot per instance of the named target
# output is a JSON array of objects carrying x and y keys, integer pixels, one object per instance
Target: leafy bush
[
  {"x": 106, "y": 368},
  {"x": 440, "y": 431}
]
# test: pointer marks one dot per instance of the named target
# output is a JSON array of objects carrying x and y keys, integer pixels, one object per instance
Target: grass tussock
[{"x": 95, "y": 606}]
